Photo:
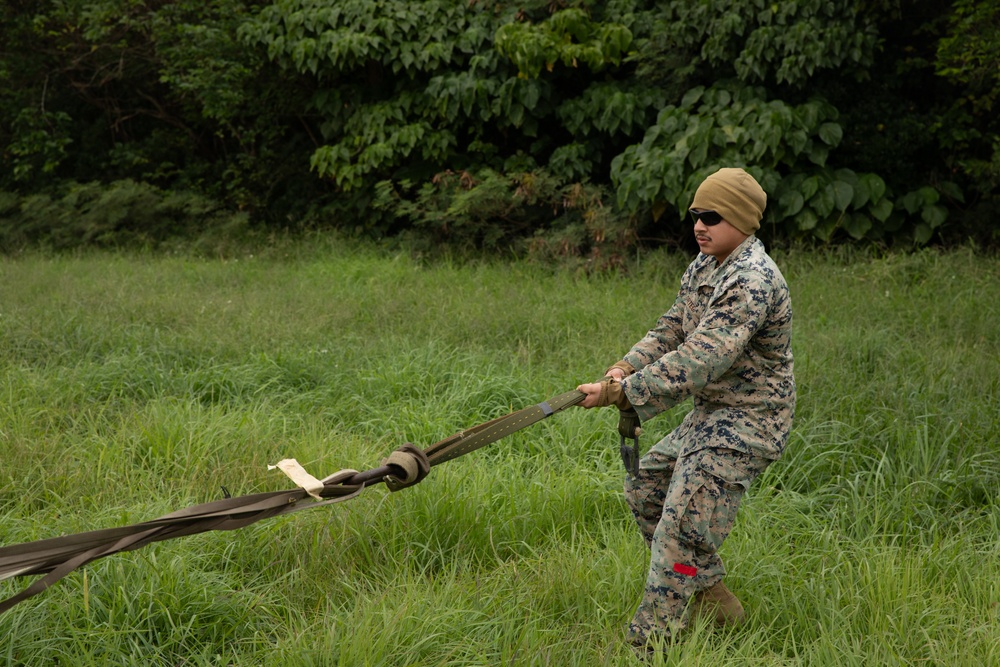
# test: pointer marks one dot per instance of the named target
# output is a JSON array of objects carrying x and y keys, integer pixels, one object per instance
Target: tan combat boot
[{"x": 719, "y": 604}]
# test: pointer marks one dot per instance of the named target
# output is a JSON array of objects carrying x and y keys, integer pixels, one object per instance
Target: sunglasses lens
[{"x": 708, "y": 218}]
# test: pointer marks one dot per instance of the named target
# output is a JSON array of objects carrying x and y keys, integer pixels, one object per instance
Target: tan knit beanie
[{"x": 736, "y": 196}]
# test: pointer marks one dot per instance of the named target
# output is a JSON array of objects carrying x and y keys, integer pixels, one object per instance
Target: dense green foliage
[
  {"x": 135, "y": 385},
  {"x": 562, "y": 127}
]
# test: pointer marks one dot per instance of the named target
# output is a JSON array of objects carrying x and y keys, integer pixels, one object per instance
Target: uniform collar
[{"x": 711, "y": 272}]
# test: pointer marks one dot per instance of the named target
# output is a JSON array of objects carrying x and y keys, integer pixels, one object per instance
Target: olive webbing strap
[
  {"x": 58, "y": 556},
  {"x": 473, "y": 438}
]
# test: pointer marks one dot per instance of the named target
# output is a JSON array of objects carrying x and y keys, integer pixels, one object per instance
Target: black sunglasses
[{"x": 708, "y": 218}]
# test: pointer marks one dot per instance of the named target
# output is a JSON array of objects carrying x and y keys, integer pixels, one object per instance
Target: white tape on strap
[{"x": 298, "y": 474}]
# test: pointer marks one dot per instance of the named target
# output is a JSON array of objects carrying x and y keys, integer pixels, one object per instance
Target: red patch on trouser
[{"x": 680, "y": 568}]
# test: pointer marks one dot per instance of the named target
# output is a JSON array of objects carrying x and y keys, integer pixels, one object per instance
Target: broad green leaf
[
  {"x": 857, "y": 225},
  {"x": 810, "y": 186},
  {"x": 843, "y": 194},
  {"x": 934, "y": 215},
  {"x": 846, "y": 175},
  {"x": 806, "y": 220},
  {"x": 875, "y": 185},
  {"x": 797, "y": 140},
  {"x": 791, "y": 202},
  {"x": 692, "y": 96},
  {"x": 809, "y": 113},
  {"x": 831, "y": 133},
  {"x": 818, "y": 155},
  {"x": 862, "y": 193},
  {"x": 929, "y": 195},
  {"x": 882, "y": 210},
  {"x": 922, "y": 234},
  {"x": 699, "y": 152},
  {"x": 516, "y": 114},
  {"x": 825, "y": 230},
  {"x": 530, "y": 93},
  {"x": 912, "y": 202},
  {"x": 824, "y": 201}
]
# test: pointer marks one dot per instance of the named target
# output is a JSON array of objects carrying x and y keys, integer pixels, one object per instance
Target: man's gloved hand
[
  {"x": 612, "y": 394},
  {"x": 601, "y": 394},
  {"x": 609, "y": 392}
]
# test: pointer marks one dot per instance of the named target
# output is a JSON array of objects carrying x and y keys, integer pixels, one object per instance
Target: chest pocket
[{"x": 695, "y": 304}]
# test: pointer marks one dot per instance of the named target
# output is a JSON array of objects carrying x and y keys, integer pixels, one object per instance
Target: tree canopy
[{"x": 577, "y": 128}]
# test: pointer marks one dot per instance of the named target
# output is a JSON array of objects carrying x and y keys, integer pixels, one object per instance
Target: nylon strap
[
  {"x": 473, "y": 438},
  {"x": 56, "y": 557}
]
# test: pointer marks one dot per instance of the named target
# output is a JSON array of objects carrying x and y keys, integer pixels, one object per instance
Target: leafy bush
[
  {"x": 39, "y": 144},
  {"x": 569, "y": 37},
  {"x": 969, "y": 56},
  {"x": 494, "y": 211},
  {"x": 372, "y": 64},
  {"x": 733, "y": 125},
  {"x": 782, "y": 43},
  {"x": 412, "y": 89},
  {"x": 120, "y": 214},
  {"x": 870, "y": 121}
]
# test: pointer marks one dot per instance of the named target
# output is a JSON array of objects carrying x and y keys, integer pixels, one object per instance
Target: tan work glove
[{"x": 613, "y": 394}]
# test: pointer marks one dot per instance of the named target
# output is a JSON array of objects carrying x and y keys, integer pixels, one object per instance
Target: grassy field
[{"x": 136, "y": 385}]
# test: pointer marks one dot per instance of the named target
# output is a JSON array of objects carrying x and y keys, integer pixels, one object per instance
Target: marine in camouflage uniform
[{"x": 725, "y": 342}]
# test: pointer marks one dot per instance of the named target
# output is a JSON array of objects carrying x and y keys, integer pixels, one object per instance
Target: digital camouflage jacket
[{"x": 726, "y": 342}]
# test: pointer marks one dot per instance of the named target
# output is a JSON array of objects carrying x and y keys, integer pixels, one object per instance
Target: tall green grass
[{"x": 134, "y": 385}]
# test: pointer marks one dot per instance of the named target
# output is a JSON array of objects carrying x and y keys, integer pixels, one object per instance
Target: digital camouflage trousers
[{"x": 685, "y": 507}]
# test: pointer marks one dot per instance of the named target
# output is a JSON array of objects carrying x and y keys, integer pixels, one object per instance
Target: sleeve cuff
[{"x": 625, "y": 366}]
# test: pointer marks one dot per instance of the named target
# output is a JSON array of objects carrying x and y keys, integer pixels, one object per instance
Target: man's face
[{"x": 718, "y": 240}]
